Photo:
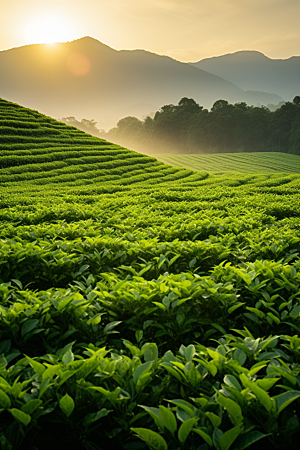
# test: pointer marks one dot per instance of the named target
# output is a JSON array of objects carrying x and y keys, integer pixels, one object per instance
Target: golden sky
[{"x": 187, "y": 30}]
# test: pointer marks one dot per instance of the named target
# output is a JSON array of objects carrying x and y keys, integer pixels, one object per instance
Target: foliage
[
  {"x": 254, "y": 162},
  {"x": 144, "y": 306},
  {"x": 188, "y": 128}
]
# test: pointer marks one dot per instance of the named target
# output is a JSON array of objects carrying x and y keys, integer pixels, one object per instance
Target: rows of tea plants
[
  {"x": 40, "y": 150},
  {"x": 146, "y": 306},
  {"x": 236, "y": 162}
]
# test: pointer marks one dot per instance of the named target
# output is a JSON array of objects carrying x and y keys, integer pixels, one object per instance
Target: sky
[{"x": 187, "y": 30}]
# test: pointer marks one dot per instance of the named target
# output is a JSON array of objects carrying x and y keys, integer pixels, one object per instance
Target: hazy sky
[{"x": 187, "y": 30}]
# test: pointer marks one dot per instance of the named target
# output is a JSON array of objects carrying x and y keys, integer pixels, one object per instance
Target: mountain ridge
[
  {"x": 40, "y": 77},
  {"x": 252, "y": 70}
]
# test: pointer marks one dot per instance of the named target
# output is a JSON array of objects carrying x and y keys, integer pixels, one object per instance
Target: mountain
[
  {"x": 251, "y": 70},
  {"x": 85, "y": 78}
]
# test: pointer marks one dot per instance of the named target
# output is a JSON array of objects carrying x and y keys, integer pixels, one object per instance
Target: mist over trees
[
  {"x": 189, "y": 128},
  {"x": 89, "y": 126}
]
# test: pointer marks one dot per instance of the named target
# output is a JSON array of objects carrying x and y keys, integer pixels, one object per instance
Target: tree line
[{"x": 189, "y": 128}]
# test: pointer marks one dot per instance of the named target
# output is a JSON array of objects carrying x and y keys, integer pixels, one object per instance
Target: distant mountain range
[
  {"x": 254, "y": 71},
  {"x": 85, "y": 78}
]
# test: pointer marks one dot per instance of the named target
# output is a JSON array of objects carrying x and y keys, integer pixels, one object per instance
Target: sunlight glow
[
  {"x": 48, "y": 30},
  {"x": 78, "y": 64}
]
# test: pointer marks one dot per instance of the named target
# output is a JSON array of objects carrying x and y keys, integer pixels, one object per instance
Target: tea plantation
[
  {"x": 142, "y": 305},
  {"x": 256, "y": 162}
]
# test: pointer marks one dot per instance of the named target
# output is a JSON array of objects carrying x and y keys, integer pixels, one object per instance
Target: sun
[{"x": 48, "y": 30}]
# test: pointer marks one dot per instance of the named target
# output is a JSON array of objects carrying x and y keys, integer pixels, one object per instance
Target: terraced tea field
[
  {"x": 143, "y": 305},
  {"x": 259, "y": 162}
]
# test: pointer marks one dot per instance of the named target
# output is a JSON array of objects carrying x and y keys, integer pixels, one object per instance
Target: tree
[
  {"x": 129, "y": 125},
  {"x": 219, "y": 104},
  {"x": 71, "y": 121},
  {"x": 296, "y": 100},
  {"x": 89, "y": 126},
  {"x": 189, "y": 106}
]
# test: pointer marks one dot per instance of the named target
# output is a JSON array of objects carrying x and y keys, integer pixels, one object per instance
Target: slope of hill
[
  {"x": 86, "y": 78},
  {"x": 39, "y": 150},
  {"x": 132, "y": 291},
  {"x": 252, "y": 70},
  {"x": 256, "y": 162}
]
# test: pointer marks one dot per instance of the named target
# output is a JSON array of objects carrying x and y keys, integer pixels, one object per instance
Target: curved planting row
[{"x": 270, "y": 162}]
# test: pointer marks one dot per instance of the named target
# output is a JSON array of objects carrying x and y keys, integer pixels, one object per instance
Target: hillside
[
  {"x": 259, "y": 162},
  {"x": 39, "y": 150},
  {"x": 86, "y": 78},
  {"x": 143, "y": 305},
  {"x": 252, "y": 70}
]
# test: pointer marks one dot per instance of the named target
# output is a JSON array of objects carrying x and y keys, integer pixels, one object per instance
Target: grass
[
  {"x": 256, "y": 162},
  {"x": 143, "y": 305}
]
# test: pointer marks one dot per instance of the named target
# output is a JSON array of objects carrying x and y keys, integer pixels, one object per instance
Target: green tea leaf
[
  {"x": 183, "y": 415},
  {"x": 234, "y": 307},
  {"x": 168, "y": 419},
  {"x": 189, "y": 352},
  {"x": 244, "y": 441},
  {"x": 229, "y": 437},
  {"x": 93, "y": 417},
  {"x": 261, "y": 395},
  {"x": 150, "y": 352},
  {"x": 31, "y": 406},
  {"x": 239, "y": 356},
  {"x": 45, "y": 384},
  {"x": 28, "y": 326},
  {"x": 111, "y": 325},
  {"x": 232, "y": 407},
  {"x": 204, "y": 436},
  {"x": 183, "y": 404},
  {"x": 217, "y": 434},
  {"x": 3, "y": 363},
  {"x": 38, "y": 367},
  {"x": 283, "y": 400},
  {"x": 4, "y": 400},
  {"x": 153, "y": 439},
  {"x": 289, "y": 376},
  {"x": 139, "y": 335},
  {"x": 276, "y": 319},
  {"x": 169, "y": 367},
  {"x": 215, "y": 420},
  {"x": 141, "y": 369},
  {"x": 20, "y": 416},
  {"x": 186, "y": 428},
  {"x": 67, "y": 405},
  {"x": 51, "y": 371},
  {"x": 68, "y": 357},
  {"x": 231, "y": 381},
  {"x": 155, "y": 414},
  {"x": 5, "y": 346}
]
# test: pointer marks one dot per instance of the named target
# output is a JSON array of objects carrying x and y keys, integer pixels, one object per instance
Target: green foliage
[
  {"x": 254, "y": 162},
  {"x": 187, "y": 128},
  {"x": 143, "y": 305}
]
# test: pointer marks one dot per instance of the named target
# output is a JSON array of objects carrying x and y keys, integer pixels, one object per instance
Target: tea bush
[{"x": 142, "y": 305}]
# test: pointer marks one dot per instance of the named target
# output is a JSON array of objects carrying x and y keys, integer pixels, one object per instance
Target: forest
[{"x": 189, "y": 128}]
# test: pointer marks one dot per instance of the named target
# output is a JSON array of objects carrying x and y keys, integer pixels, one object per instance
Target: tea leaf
[
  {"x": 21, "y": 416},
  {"x": 153, "y": 439},
  {"x": 185, "y": 429},
  {"x": 67, "y": 405}
]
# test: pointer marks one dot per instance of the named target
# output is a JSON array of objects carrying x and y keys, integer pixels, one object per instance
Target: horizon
[
  {"x": 186, "y": 33},
  {"x": 50, "y": 44}
]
